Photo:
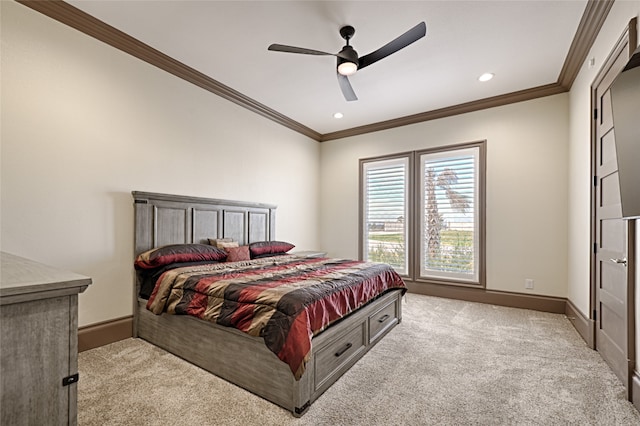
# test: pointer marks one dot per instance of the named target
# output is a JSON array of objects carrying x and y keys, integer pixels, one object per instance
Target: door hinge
[
  {"x": 595, "y": 113},
  {"x": 70, "y": 379},
  {"x": 595, "y": 180},
  {"x": 595, "y": 248},
  {"x": 595, "y": 315}
]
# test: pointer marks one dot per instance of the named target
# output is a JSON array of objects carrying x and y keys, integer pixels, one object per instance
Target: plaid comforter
[{"x": 285, "y": 299}]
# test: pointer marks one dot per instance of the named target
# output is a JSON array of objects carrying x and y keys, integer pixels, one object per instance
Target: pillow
[
  {"x": 149, "y": 277},
  {"x": 215, "y": 241},
  {"x": 227, "y": 244},
  {"x": 262, "y": 256},
  {"x": 236, "y": 254},
  {"x": 262, "y": 248},
  {"x": 223, "y": 242},
  {"x": 178, "y": 253}
]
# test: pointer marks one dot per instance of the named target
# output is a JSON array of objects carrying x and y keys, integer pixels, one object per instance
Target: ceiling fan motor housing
[
  {"x": 347, "y": 61},
  {"x": 348, "y": 53}
]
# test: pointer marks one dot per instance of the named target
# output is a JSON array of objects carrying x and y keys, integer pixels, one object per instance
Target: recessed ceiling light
[
  {"x": 486, "y": 76},
  {"x": 338, "y": 115}
]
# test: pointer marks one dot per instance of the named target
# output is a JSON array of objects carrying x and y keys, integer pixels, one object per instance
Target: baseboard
[
  {"x": 583, "y": 325},
  {"x": 101, "y": 334},
  {"x": 635, "y": 390},
  {"x": 555, "y": 305},
  {"x": 96, "y": 335}
]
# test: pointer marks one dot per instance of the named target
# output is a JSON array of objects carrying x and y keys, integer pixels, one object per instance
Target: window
[
  {"x": 441, "y": 238},
  {"x": 448, "y": 215},
  {"x": 385, "y": 212}
]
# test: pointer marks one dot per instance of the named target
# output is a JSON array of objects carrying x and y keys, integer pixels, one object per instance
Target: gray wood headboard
[{"x": 162, "y": 219}]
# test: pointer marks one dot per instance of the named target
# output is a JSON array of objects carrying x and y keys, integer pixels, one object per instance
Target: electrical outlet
[{"x": 528, "y": 283}]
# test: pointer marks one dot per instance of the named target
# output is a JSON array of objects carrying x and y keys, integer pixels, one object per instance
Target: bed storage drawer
[
  {"x": 383, "y": 320},
  {"x": 337, "y": 356}
]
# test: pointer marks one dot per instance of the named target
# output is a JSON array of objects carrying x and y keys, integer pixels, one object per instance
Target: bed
[{"x": 246, "y": 360}]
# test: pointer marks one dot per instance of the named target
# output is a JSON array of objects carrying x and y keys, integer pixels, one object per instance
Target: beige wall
[
  {"x": 84, "y": 124},
  {"x": 527, "y": 148},
  {"x": 580, "y": 152}
]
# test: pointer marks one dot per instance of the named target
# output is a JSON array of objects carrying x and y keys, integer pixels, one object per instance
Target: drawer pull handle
[
  {"x": 343, "y": 350},
  {"x": 383, "y": 318}
]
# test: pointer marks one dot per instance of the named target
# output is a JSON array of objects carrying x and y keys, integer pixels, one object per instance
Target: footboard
[{"x": 245, "y": 360}]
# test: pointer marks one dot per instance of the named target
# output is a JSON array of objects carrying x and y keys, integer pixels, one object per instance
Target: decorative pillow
[
  {"x": 223, "y": 242},
  {"x": 215, "y": 241},
  {"x": 236, "y": 254},
  {"x": 228, "y": 244},
  {"x": 179, "y": 253},
  {"x": 262, "y": 248}
]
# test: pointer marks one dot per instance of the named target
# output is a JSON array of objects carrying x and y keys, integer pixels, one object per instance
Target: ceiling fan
[{"x": 348, "y": 60}]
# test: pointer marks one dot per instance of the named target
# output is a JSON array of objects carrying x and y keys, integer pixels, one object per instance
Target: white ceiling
[{"x": 524, "y": 43}]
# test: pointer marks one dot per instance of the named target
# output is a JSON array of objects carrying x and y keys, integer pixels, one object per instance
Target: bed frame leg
[{"x": 299, "y": 411}]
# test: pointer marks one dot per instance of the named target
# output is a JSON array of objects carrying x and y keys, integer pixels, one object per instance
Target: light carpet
[{"x": 449, "y": 362}]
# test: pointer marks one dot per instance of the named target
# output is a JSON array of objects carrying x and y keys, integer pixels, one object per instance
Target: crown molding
[
  {"x": 595, "y": 13},
  {"x": 592, "y": 20},
  {"x": 509, "y": 98}
]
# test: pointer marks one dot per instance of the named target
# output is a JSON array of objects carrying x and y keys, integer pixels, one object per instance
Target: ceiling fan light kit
[
  {"x": 348, "y": 61},
  {"x": 346, "y": 67}
]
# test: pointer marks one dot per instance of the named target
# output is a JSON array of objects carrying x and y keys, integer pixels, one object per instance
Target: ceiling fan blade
[
  {"x": 293, "y": 49},
  {"x": 346, "y": 88},
  {"x": 414, "y": 34}
]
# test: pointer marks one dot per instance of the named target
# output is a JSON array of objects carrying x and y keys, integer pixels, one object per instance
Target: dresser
[{"x": 38, "y": 342}]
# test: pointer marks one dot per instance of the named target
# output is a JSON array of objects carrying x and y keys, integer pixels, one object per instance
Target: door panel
[
  {"x": 608, "y": 149},
  {"x": 609, "y": 316},
  {"x": 610, "y": 194},
  {"x": 606, "y": 121},
  {"x": 613, "y": 294},
  {"x": 613, "y": 235}
]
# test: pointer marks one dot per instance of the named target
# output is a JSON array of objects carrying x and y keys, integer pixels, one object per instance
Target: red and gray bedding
[{"x": 284, "y": 299}]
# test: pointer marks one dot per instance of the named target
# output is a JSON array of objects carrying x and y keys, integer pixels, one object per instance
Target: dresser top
[{"x": 21, "y": 276}]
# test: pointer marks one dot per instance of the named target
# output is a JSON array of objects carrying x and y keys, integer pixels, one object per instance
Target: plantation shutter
[
  {"x": 385, "y": 195},
  {"x": 449, "y": 216}
]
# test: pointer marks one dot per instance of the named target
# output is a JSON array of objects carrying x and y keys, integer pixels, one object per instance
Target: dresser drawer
[
  {"x": 331, "y": 359},
  {"x": 382, "y": 320}
]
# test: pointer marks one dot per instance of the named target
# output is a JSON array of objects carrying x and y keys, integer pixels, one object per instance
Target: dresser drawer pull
[
  {"x": 343, "y": 350},
  {"x": 383, "y": 318}
]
